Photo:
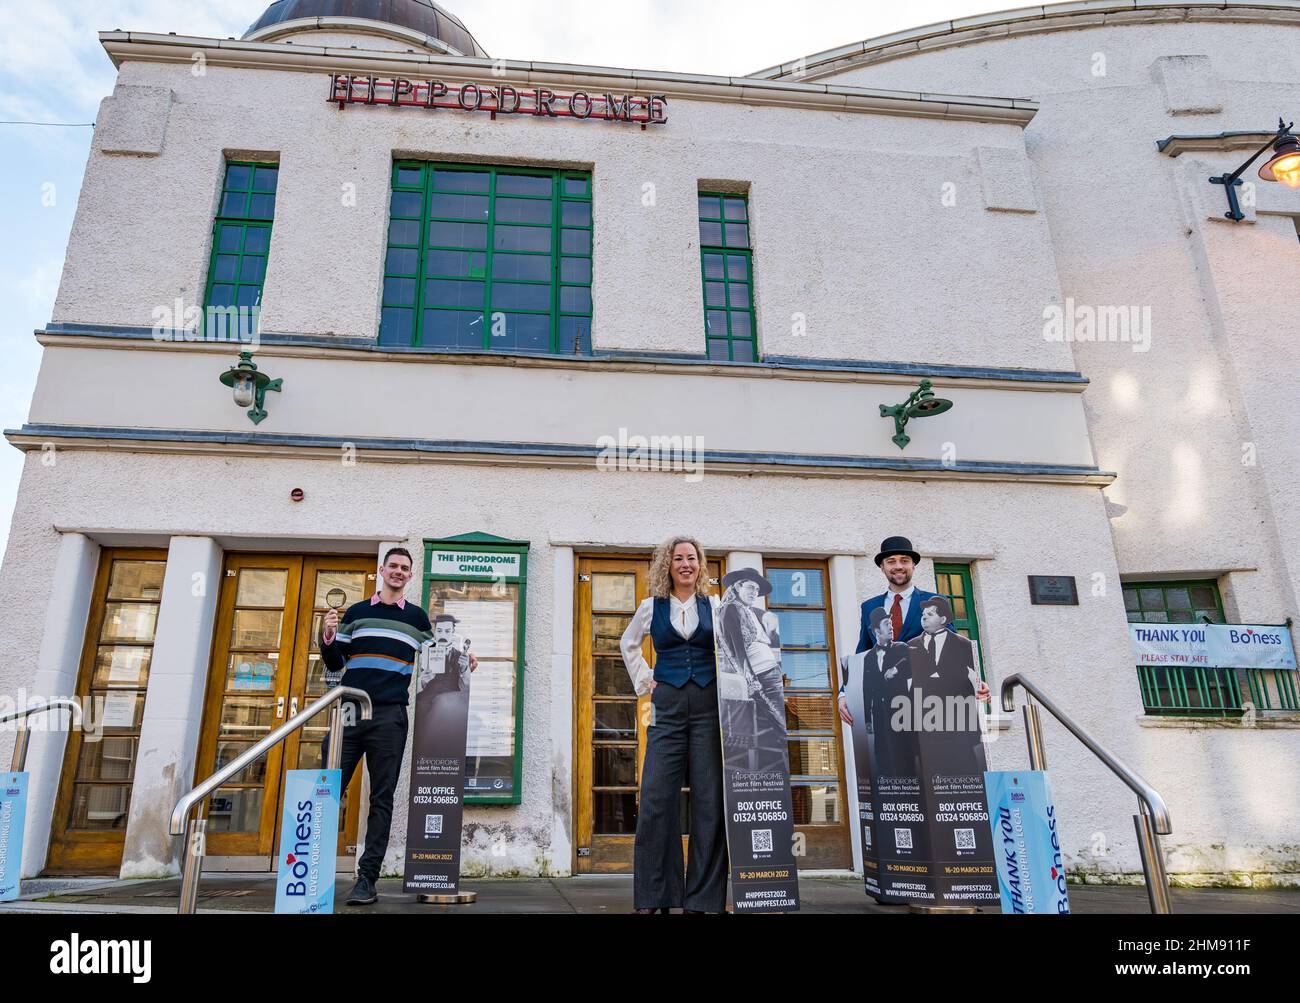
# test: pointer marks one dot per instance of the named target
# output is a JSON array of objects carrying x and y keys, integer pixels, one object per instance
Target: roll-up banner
[
  {"x": 309, "y": 835},
  {"x": 755, "y": 757},
  {"x": 437, "y": 795},
  {"x": 13, "y": 813},
  {"x": 1026, "y": 843},
  {"x": 919, "y": 757}
]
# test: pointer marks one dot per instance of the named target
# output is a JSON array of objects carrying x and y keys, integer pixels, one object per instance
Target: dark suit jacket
[
  {"x": 895, "y": 751},
  {"x": 955, "y": 661},
  {"x": 911, "y": 622}
]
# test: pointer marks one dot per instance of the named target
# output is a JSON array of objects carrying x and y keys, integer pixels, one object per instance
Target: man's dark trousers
[{"x": 382, "y": 740}]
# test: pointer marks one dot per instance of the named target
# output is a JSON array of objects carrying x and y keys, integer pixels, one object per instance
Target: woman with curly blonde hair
[{"x": 683, "y": 741}]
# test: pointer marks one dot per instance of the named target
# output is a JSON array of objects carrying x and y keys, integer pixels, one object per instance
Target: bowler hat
[
  {"x": 747, "y": 575},
  {"x": 877, "y": 615},
  {"x": 897, "y": 545}
]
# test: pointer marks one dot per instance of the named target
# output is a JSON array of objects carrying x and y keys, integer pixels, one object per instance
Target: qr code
[
  {"x": 762, "y": 840},
  {"x": 965, "y": 838},
  {"x": 866, "y": 836},
  {"x": 903, "y": 839},
  {"x": 433, "y": 825}
]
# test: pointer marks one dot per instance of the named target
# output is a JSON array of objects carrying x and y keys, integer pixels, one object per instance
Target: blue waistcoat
[{"x": 680, "y": 659}]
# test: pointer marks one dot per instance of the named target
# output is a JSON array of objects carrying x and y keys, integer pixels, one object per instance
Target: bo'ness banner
[
  {"x": 13, "y": 812},
  {"x": 309, "y": 836},
  {"x": 1027, "y": 843},
  {"x": 437, "y": 798},
  {"x": 920, "y": 762},
  {"x": 755, "y": 757}
]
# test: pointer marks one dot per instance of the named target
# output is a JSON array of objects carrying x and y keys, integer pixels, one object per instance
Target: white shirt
[
  {"x": 685, "y": 619},
  {"x": 937, "y": 640},
  {"x": 905, "y": 605}
]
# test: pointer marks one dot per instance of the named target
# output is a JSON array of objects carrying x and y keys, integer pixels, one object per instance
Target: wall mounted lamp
[
  {"x": 921, "y": 403},
  {"x": 250, "y": 386},
  {"x": 1283, "y": 165}
]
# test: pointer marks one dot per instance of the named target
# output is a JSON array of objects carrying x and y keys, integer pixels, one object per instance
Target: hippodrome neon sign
[{"x": 400, "y": 92}]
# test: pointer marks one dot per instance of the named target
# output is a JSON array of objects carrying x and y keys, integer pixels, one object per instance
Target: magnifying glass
[{"x": 335, "y": 598}]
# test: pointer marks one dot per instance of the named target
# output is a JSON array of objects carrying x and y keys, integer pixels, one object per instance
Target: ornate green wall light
[
  {"x": 249, "y": 385},
  {"x": 921, "y": 403}
]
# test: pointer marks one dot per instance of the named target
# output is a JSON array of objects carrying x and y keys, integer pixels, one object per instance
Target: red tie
[{"x": 896, "y": 616}]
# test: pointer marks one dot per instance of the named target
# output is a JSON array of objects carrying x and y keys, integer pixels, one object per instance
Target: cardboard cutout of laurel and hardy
[{"x": 442, "y": 685}]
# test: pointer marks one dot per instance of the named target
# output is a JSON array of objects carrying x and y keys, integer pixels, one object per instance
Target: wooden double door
[{"x": 266, "y": 668}]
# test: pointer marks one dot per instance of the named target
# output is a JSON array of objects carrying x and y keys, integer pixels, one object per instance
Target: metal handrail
[
  {"x": 19, "y": 761},
  {"x": 195, "y": 829},
  {"x": 1153, "y": 818}
]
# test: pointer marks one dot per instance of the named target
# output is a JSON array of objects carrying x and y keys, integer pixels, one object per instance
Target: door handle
[
  {"x": 279, "y": 708},
  {"x": 293, "y": 707}
]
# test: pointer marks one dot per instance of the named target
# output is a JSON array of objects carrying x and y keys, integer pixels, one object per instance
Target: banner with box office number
[
  {"x": 756, "y": 796},
  {"x": 920, "y": 762},
  {"x": 437, "y": 791}
]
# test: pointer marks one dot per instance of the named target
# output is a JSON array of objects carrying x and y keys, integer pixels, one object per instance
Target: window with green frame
[
  {"x": 241, "y": 241},
  {"x": 1170, "y": 689},
  {"x": 727, "y": 272},
  {"x": 954, "y": 581},
  {"x": 489, "y": 258}
]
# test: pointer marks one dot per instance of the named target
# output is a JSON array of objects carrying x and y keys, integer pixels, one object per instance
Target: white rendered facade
[{"x": 898, "y": 232}]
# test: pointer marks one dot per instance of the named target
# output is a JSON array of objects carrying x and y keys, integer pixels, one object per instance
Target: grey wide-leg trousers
[{"x": 683, "y": 747}]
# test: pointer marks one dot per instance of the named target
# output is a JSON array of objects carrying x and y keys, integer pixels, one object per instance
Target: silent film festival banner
[
  {"x": 917, "y": 751},
  {"x": 755, "y": 757},
  {"x": 437, "y": 794}
]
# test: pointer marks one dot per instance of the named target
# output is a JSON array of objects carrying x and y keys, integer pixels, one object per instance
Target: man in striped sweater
[{"x": 375, "y": 646}]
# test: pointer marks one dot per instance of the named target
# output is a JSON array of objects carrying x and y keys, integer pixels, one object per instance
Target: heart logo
[
  {"x": 291, "y": 859},
  {"x": 1053, "y": 873}
]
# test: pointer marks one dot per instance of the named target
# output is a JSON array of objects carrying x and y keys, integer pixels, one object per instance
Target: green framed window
[
  {"x": 954, "y": 581},
  {"x": 1201, "y": 691},
  {"x": 727, "y": 274},
  {"x": 1173, "y": 602},
  {"x": 241, "y": 243},
  {"x": 488, "y": 258}
]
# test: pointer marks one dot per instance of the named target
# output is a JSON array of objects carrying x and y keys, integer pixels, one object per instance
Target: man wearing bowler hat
[{"x": 901, "y": 601}]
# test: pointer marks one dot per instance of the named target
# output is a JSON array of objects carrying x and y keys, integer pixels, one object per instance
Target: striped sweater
[{"x": 376, "y": 646}]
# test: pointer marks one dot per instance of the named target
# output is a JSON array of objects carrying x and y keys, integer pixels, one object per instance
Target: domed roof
[{"x": 416, "y": 15}]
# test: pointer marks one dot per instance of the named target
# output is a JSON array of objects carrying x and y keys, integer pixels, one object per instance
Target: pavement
[{"x": 585, "y": 894}]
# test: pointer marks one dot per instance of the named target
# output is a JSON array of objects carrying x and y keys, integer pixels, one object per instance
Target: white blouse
[{"x": 685, "y": 618}]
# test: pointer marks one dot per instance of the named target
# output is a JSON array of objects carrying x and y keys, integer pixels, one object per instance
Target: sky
[{"x": 53, "y": 70}]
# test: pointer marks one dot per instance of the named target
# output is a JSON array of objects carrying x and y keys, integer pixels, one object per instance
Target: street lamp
[
  {"x": 1283, "y": 165},
  {"x": 921, "y": 403},
  {"x": 250, "y": 386}
]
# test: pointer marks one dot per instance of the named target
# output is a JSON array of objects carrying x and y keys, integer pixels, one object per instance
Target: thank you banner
[
  {"x": 1026, "y": 843},
  {"x": 1212, "y": 645},
  {"x": 13, "y": 811}
]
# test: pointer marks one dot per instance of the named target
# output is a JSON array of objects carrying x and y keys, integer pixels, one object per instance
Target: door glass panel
[
  {"x": 614, "y": 593},
  {"x": 615, "y": 719},
  {"x": 351, "y": 582},
  {"x": 613, "y": 812},
  {"x": 118, "y": 681},
  {"x": 256, "y": 628},
  {"x": 816, "y": 804},
  {"x": 129, "y": 621},
  {"x": 121, "y": 665},
  {"x": 101, "y": 807},
  {"x": 614, "y": 765},
  {"x": 235, "y": 809},
  {"x": 261, "y": 587},
  {"x": 252, "y": 670},
  {"x": 612, "y": 679}
]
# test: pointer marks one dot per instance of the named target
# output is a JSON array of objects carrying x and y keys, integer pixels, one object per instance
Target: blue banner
[
  {"x": 1026, "y": 843},
  {"x": 309, "y": 834},
  {"x": 13, "y": 811}
]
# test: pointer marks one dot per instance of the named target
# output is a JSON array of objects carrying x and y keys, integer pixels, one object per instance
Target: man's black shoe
[{"x": 363, "y": 892}]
